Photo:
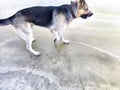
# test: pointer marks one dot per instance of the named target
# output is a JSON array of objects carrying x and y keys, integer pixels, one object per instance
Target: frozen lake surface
[{"x": 90, "y": 62}]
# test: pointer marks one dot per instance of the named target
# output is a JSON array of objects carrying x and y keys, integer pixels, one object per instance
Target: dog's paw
[
  {"x": 66, "y": 41},
  {"x": 37, "y": 53},
  {"x": 55, "y": 40}
]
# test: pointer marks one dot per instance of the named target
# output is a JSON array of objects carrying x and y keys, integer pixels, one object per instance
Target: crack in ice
[
  {"x": 50, "y": 76},
  {"x": 99, "y": 49}
]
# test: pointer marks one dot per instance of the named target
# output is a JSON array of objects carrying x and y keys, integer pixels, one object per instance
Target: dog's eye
[{"x": 85, "y": 7}]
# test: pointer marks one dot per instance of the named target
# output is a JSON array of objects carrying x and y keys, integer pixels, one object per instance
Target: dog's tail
[{"x": 6, "y": 21}]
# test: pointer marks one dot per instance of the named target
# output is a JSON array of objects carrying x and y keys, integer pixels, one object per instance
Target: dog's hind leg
[
  {"x": 29, "y": 45},
  {"x": 25, "y": 32},
  {"x": 22, "y": 32}
]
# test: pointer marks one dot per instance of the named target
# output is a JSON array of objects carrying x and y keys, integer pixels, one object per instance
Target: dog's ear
[
  {"x": 78, "y": 0},
  {"x": 73, "y": 3},
  {"x": 81, "y": 0}
]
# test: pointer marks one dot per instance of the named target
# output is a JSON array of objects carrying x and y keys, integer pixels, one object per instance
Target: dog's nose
[{"x": 90, "y": 14}]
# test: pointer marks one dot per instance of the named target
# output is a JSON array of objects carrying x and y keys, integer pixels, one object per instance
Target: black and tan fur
[{"x": 55, "y": 18}]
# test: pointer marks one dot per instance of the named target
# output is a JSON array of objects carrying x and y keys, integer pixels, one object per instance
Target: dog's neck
[
  {"x": 73, "y": 9},
  {"x": 72, "y": 12}
]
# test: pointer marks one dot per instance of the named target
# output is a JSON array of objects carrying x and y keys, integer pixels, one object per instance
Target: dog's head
[{"x": 82, "y": 9}]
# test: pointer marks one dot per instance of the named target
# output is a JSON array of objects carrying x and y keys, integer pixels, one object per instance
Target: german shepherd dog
[{"x": 55, "y": 18}]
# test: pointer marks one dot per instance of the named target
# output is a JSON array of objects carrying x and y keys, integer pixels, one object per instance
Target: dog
[{"x": 55, "y": 18}]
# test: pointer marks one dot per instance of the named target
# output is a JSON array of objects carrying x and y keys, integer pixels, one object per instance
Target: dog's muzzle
[{"x": 84, "y": 16}]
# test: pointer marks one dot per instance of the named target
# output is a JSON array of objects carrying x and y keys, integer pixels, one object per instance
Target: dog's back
[
  {"x": 38, "y": 15},
  {"x": 41, "y": 16}
]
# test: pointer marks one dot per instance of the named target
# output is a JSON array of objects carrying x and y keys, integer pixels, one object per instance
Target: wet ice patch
[
  {"x": 21, "y": 79},
  {"x": 14, "y": 84}
]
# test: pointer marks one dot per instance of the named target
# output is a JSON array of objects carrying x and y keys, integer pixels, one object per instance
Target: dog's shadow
[
  {"x": 59, "y": 45},
  {"x": 59, "y": 52}
]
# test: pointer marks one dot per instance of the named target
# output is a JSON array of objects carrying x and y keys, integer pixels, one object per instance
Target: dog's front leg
[
  {"x": 56, "y": 35},
  {"x": 60, "y": 33}
]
